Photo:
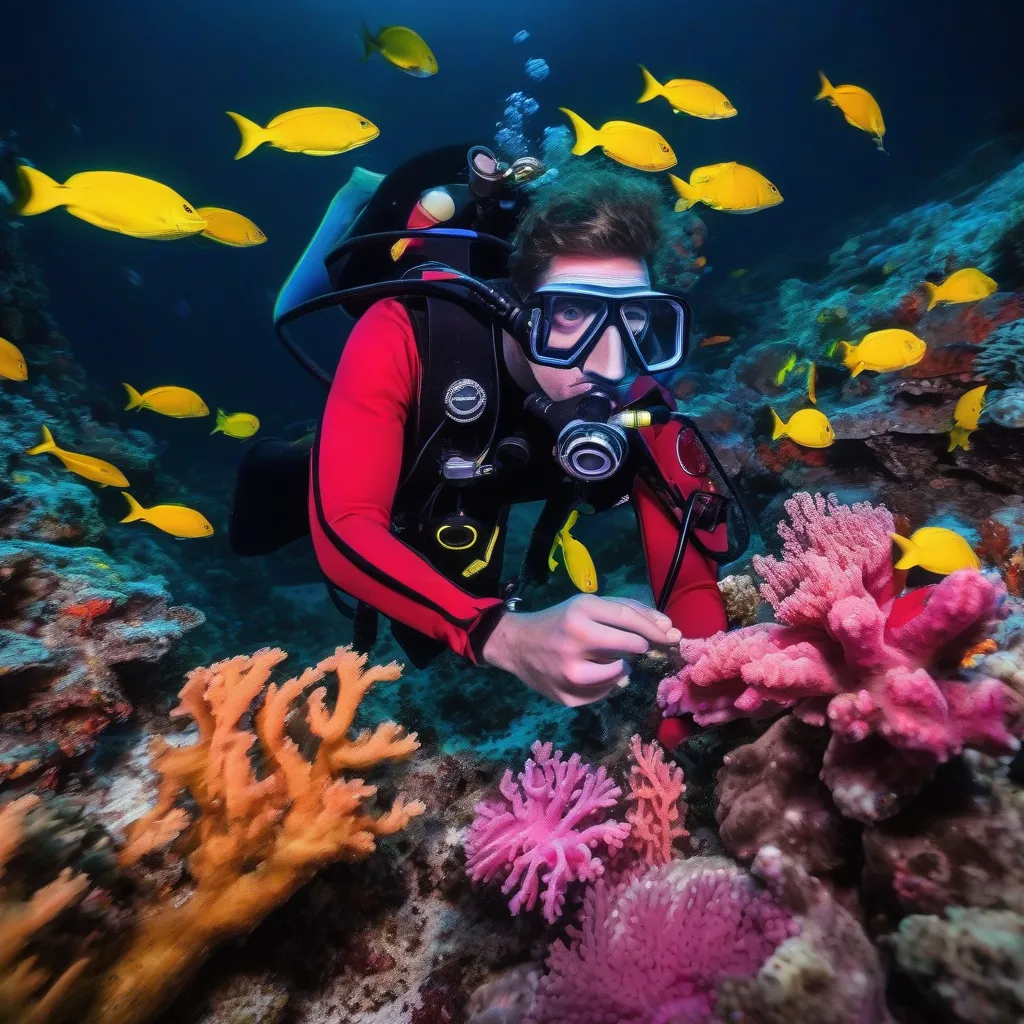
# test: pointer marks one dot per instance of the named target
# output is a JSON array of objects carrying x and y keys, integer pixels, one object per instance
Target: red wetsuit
[{"x": 356, "y": 472}]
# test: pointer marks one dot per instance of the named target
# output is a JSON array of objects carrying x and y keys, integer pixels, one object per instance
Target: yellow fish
[
  {"x": 239, "y": 425},
  {"x": 858, "y": 106},
  {"x": 812, "y": 383},
  {"x": 686, "y": 96},
  {"x": 315, "y": 131},
  {"x": 728, "y": 187},
  {"x": 965, "y": 417},
  {"x": 402, "y": 47},
  {"x": 627, "y": 143},
  {"x": 12, "y": 362},
  {"x": 936, "y": 549},
  {"x": 230, "y": 228},
  {"x": 178, "y": 520},
  {"x": 578, "y": 563},
  {"x": 787, "y": 366},
  {"x": 968, "y": 285},
  {"x": 808, "y": 427},
  {"x": 736, "y": 274},
  {"x": 96, "y": 470},
  {"x": 20, "y": 478},
  {"x": 883, "y": 351},
  {"x": 114, "y": 201},
  {"x": 168, "y": 401}
]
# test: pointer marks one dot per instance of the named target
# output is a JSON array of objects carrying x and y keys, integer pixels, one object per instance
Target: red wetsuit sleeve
[
  {"x": 695, "y": 605},
  {"x": 356, "y": 463}
]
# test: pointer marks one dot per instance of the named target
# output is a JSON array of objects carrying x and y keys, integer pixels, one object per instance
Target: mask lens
[
  {"x": 571, "y": 317},
  {"x": 656, "y": 329}
]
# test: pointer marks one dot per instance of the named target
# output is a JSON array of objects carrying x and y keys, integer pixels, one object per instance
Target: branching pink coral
[
  {"x": 545, "y": 831},
  {"x": 656, "y": 949},
  {"x": 846, "y": 655},
  {"x": 656, "y": 794}
]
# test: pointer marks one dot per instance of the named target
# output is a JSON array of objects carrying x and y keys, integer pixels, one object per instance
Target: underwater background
[{"x": 880, "y": 883}]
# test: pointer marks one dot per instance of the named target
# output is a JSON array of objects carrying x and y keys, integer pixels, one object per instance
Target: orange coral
[
  {"x": 656, "y": 794},
  {"x": 28, "y": 992},
  {"x": 1014, "y": 574},
  {"x": 994, "y": 545},
  {"x": 787, "y": 452},
  {"x": 251, "y": 838}
]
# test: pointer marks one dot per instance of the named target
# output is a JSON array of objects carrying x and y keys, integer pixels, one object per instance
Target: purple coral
[
  {"x": 848, "y": 654},
  {"x": 658, "y": 947},
  {"x": 545, "y": 831}
]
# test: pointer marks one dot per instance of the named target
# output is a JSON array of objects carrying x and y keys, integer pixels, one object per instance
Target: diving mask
[{"x": 567, "y": 321}]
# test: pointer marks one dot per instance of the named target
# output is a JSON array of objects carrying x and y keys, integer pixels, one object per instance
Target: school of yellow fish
[{"x": 139, "y": 207}]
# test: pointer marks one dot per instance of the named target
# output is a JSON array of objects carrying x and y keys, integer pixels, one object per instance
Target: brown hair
[{"x": 590, "y": 209}]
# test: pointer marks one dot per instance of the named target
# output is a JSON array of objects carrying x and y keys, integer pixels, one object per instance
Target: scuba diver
[{"x": 460, "y": 393}]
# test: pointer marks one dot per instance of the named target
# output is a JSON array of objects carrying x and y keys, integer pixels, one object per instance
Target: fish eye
[
  {"x": 362, "y": 124},
  {"x": 727, "y": 105},
  {"x": 188, "y": 209},
  {"x": 664, "y": 149},
  {"x": 773, "y": 188}
]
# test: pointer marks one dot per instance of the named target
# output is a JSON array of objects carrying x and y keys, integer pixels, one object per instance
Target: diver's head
[{"x": 582, "y": 256}]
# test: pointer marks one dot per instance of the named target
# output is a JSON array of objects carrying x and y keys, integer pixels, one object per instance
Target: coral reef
[
  {"x": 656, "y": 803},
  {"x": 827, "y": 972},
  {"x": 70, "y": 621},
  {"x": 970, "y": 964},
  {"x": 769, "y": 794},
  {"x": 250, "y": 840},
  {"x": 33, "y": 991},
  {"x": 1002, "y": 359},
  {"x": 960, "y": 845},
  {"x": 847, "y": 654},
  {"x": 659, "y": 946},
  {"x": 546, "y": 831},
  {"x": 742, "y": 600}
]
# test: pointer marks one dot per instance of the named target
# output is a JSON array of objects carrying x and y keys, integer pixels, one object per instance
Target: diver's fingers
[
  {"x": 608, "y": 642},
  {"x": 622, "y": 613},
  {"x": 585, "y": 675}
]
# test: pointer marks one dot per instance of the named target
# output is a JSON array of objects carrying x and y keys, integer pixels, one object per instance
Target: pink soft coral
[
  {"x": 656, "y": 949},
  {"x": 848, "y": 655},
  {"x": 656, "y": 797},
  {"x": 546, "y": 830}
]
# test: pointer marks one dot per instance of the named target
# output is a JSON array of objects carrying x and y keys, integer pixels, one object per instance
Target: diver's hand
[{"x": 575, "y": 653}]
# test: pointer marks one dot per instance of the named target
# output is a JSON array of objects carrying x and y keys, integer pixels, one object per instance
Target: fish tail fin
[
  {"x": 908, "y": 551},
  {"x": 48, "y": 444},
  {"x": 778, "y": 427},
  {"x": 932, "y": 291},
  {"x": 687, "y": 193},
  {"x": 826, "y": 91},
  {"x": 587, "y": 137},
  {"x": 39, "y": 192},
  {"x": 221, "y": 416},
  {"x": 252, "y": 134},
  {"x": 958, "y": 439},
  {"x": 552, "y": 561},
  {"x": 652, "y": 87},
  {"x": 135, "y": 511},
  {"x": 370, "y": 44},
  {"x": 571, "y": 521},
  {"x": 134, "y": 398}
]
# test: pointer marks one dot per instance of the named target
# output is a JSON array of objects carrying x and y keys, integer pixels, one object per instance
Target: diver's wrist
[{"x": 499, "y": 649}]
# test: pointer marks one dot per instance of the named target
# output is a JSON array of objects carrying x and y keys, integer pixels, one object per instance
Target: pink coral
[
  {"x": 847, "y": 653},
  {"x": 545, "y": 830},
  {"x": 658, "y": 947},
  {"x": 656, "y": 794}
]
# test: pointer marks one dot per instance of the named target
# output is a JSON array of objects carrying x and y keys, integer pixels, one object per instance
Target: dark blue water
[{"x": 143, "y": 87}]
